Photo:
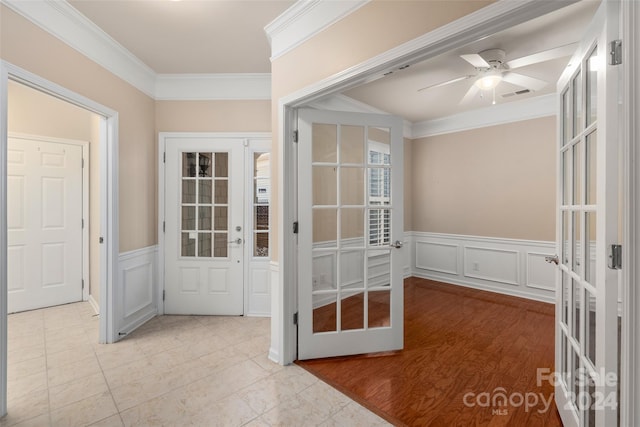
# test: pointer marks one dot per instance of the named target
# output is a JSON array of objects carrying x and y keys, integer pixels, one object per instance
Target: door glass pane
[
  {"x": 379, "y": 269},
  {"x": 188, "y": 244},
  {"x": 576, "y": 88},
  {"x": 351, "y": 186},
  {"x": 577, "y": 243},
  {"x": 352, "y": 270},
  {"x": 221, "y": 220},
  {"x": 261, "y": 217},
  {"x": 324, "y": 138},
  {"x": 204, "y": 244},
  {"x": 590, "y": 326},
  {"x": 325, "y": 226},
  {"x": 260, "y": 197},
  {"x": 351, "y": 310},
  {"x": 379, "y": 227},
  {"x": 563, "y": 358},
  {"x": 576, "y": 310},
  {"x": 566, "y": 177},
  {"x": 188, "y": 217},
  {"x": 204, "y": 191},
  {"x": 566, "y": 113},
  {"x": 188, "y": 191},
  {"x": 591, "y": 167},
  {"x": 324, "y": 312},
  {"x": 592, "y": 86},
  {"x": 324, "y": 270},
  {"x": 221, "y": 189},
  {"x": 261, "y": 244},
  {"x": 577, "y": 174},
  {"x": 566, "y": 224},
  {"x": 204, "y": 218},
  {"x": 379, "y": 308},
  {"x": 590, "y": 248},
  {"x": 566, "y": 283},
  {"x": 352, "y": 144},
  {"x": 204, "y": 164},
  {"x": 324, "y": 185},
  {"x": 352, "y": 227},
  {"x": 379, "y": 142},
  {"x": 220, "y": 245},
  {"x": 189, "y": 165},
  {"x": 577, "y": 377},
  {"x": 222, "y": 164}
]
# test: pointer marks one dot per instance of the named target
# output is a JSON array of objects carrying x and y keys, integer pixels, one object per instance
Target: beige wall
[
  {"x": 213, "y": 116},
  {"x": 497, "y": 181},
  {"x": 371, "y": 30},
  {"x": 35, "y": 113},
  {"x": 29, "y": 47}
]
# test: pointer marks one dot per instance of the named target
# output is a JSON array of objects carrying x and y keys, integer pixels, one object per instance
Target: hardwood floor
[{"x": 466, "y": 353}]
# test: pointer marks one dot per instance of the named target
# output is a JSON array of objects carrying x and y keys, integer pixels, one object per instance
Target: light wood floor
[{"x": 464, "y": 349}]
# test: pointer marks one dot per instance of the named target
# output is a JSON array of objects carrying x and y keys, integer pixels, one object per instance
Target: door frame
[
  {"x": 109, "y": 224},
  {"x": 84, "y": 145},
  {"x": 493, "y": 18},
  {"x": 162, "y": 142}
]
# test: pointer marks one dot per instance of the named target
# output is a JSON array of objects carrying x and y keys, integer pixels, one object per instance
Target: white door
[
  {"x": 587, "y": 319},
  {"x": 204, "y": 219},
  {"x": 44, "y": 221},
  {"x": 350, "y": 194}
]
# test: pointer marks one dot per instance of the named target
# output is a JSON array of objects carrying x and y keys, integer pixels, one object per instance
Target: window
[
  {"x": 379, "y": 194},
  {"x": 261, "y": 190}
]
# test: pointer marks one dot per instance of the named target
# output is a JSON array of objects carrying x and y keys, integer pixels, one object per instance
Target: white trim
[
  {"x": 66, "y": 23},
  {"x": 137, "y": 270},
  {"x": 304, "y": 20},
  {"x": 275, "y": 347},
  {"x": 213, "y": 86},
  {"x": 109, "y": 224},
  {"x": 488, "y": 20},
  {"x": 526, "y": 109},
  {"x": 94, "y": 304},
  {"x": 507, "y": 268},
  {"x": 84, "y": 145},
  {"x": 630, "y": 346}
]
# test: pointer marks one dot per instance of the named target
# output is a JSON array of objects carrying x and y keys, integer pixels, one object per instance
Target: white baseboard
[
  {"x": 507, "y": 266},
  {"x": 277, "y": 326},
  {"x": 94, "y": 304}
]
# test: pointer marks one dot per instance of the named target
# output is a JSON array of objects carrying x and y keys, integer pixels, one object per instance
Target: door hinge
[
  {"x": 615, "y": 52},
  {"x": 615, "y": 257},
  {"x": 164, "y": 294},
  {"x": 295, "y": 136},
  {"x": 295, "y": 227},
  {"x": 164, "y": 157},
  {"x": 164, "y": 226},
  {"x": 295, "y": 318},
  {"x": 83, "y": 284}
]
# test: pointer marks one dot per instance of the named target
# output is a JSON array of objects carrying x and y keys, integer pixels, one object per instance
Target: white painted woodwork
[
  {"x": 44, "y": 222},
  {"x": 329, "y": 274},
  {"x": 137, "y": 279}
]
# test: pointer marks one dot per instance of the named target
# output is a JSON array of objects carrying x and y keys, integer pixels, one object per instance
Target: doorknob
[
  {"x": 397, "y": 244},
  {"x": 552, "y": 259},
  {"x": 237, "y": 241}
]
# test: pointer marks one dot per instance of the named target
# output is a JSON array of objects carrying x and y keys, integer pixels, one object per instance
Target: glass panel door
[{"x": 350, "y": 207}]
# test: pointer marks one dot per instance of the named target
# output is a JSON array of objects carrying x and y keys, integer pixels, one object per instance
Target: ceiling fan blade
[
  {"x": 471, "y": 93},
  {"x": 545, "y": 55},
  {"x": 476, "y": 60},
  {"x": 448, "y": 82},
  {"x": 524, "y": 81}
]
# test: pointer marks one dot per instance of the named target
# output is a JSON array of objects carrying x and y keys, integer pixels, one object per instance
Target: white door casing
[
  {"x": 45, "y": 223},
  {"x": 350, "y": 281},
  {"x": 204, "y": 219},
  {"x": 587, "y": 186}
]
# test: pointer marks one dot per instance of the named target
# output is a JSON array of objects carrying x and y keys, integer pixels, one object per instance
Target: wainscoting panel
[
  {"x": 509, "y": 266},
  {"x": 137, "y": 275}
]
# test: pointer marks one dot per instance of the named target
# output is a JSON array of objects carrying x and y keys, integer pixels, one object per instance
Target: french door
[
  {"x": 350, "y": 194},
  {"x": 587, "y": 316}
]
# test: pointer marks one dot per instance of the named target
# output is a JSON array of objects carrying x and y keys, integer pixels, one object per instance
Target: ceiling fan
[{"x": 491, "y": 69}]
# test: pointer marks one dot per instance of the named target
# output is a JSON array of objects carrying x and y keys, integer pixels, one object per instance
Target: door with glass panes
[
  {"x": 587, "y": 314},
  {"x": 350, "y": 202},
  {"x": 204, "y": 219}
]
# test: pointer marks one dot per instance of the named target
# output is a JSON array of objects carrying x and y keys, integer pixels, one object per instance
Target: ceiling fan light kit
[{"x": 488, "y": 80}]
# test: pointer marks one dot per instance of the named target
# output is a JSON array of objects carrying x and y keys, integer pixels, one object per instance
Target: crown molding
[
  {"x": 303, "y": 20},
  {"x": 190, "y": 87},
  {"x": 63, "y": 21},
  {"x": 526, "y": 109}
]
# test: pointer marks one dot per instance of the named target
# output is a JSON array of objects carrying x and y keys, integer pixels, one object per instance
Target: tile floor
[{"x": 173, "y": 371}]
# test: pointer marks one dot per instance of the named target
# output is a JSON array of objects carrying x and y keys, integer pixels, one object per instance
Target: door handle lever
[
  {"x": 397, "y": 244},
  {"x": 237, "y": 241},
  {"x": 552, "y": 259}
]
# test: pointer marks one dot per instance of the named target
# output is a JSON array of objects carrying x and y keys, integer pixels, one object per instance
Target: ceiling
[
  {"x": 190, "y": 36},
  {"x": 227, "y": 36}
]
